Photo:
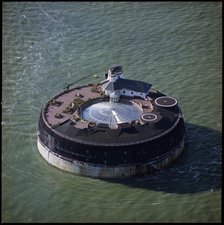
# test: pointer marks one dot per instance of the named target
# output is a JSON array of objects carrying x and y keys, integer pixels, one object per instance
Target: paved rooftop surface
[{"x": 154, "y": 116}]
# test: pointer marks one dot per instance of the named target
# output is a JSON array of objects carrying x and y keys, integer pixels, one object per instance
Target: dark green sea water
[{"x": 176, "y": 46}]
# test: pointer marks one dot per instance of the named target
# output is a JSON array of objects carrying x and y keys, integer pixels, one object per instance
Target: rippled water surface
[{"x": 175, "y": 46}]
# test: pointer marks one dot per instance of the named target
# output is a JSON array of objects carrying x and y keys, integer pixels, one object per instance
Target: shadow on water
[{"x": 198, "y": 169}]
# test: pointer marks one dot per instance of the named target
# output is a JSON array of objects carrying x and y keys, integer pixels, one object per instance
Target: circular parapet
[{"x": 165, "y": 101}]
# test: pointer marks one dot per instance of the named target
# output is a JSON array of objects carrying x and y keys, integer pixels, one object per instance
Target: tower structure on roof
[{"x": 116, "y": 85}]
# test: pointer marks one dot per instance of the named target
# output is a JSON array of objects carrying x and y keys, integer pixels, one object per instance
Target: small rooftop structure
[
  {"x": 115, "y": 70},
  {"x": 116, "y": 83}
]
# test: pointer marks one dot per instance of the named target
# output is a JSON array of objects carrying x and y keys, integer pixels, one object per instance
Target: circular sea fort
[{"x": 112, "y": 129}]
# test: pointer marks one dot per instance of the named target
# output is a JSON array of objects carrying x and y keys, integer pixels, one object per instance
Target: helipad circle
[
  {"x": 166, "y": 101},
  {"x": 149, "y": 117}
]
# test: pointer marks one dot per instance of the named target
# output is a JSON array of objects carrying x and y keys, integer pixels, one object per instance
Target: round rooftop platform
[
  {"x": 166, "y": 101},
  {"x": 111, "y": 113}
]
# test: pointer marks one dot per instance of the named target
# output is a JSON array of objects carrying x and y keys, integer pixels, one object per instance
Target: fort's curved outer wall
[{"x": 110, "y": 161}]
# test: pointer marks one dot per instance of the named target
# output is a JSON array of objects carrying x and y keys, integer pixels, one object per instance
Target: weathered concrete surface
[{"x": 100, "y": 171}]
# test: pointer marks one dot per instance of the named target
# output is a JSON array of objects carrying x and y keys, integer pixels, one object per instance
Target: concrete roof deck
[
  {"x": 85, "y": 93},
  {"x": 66, "y": 99}
]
